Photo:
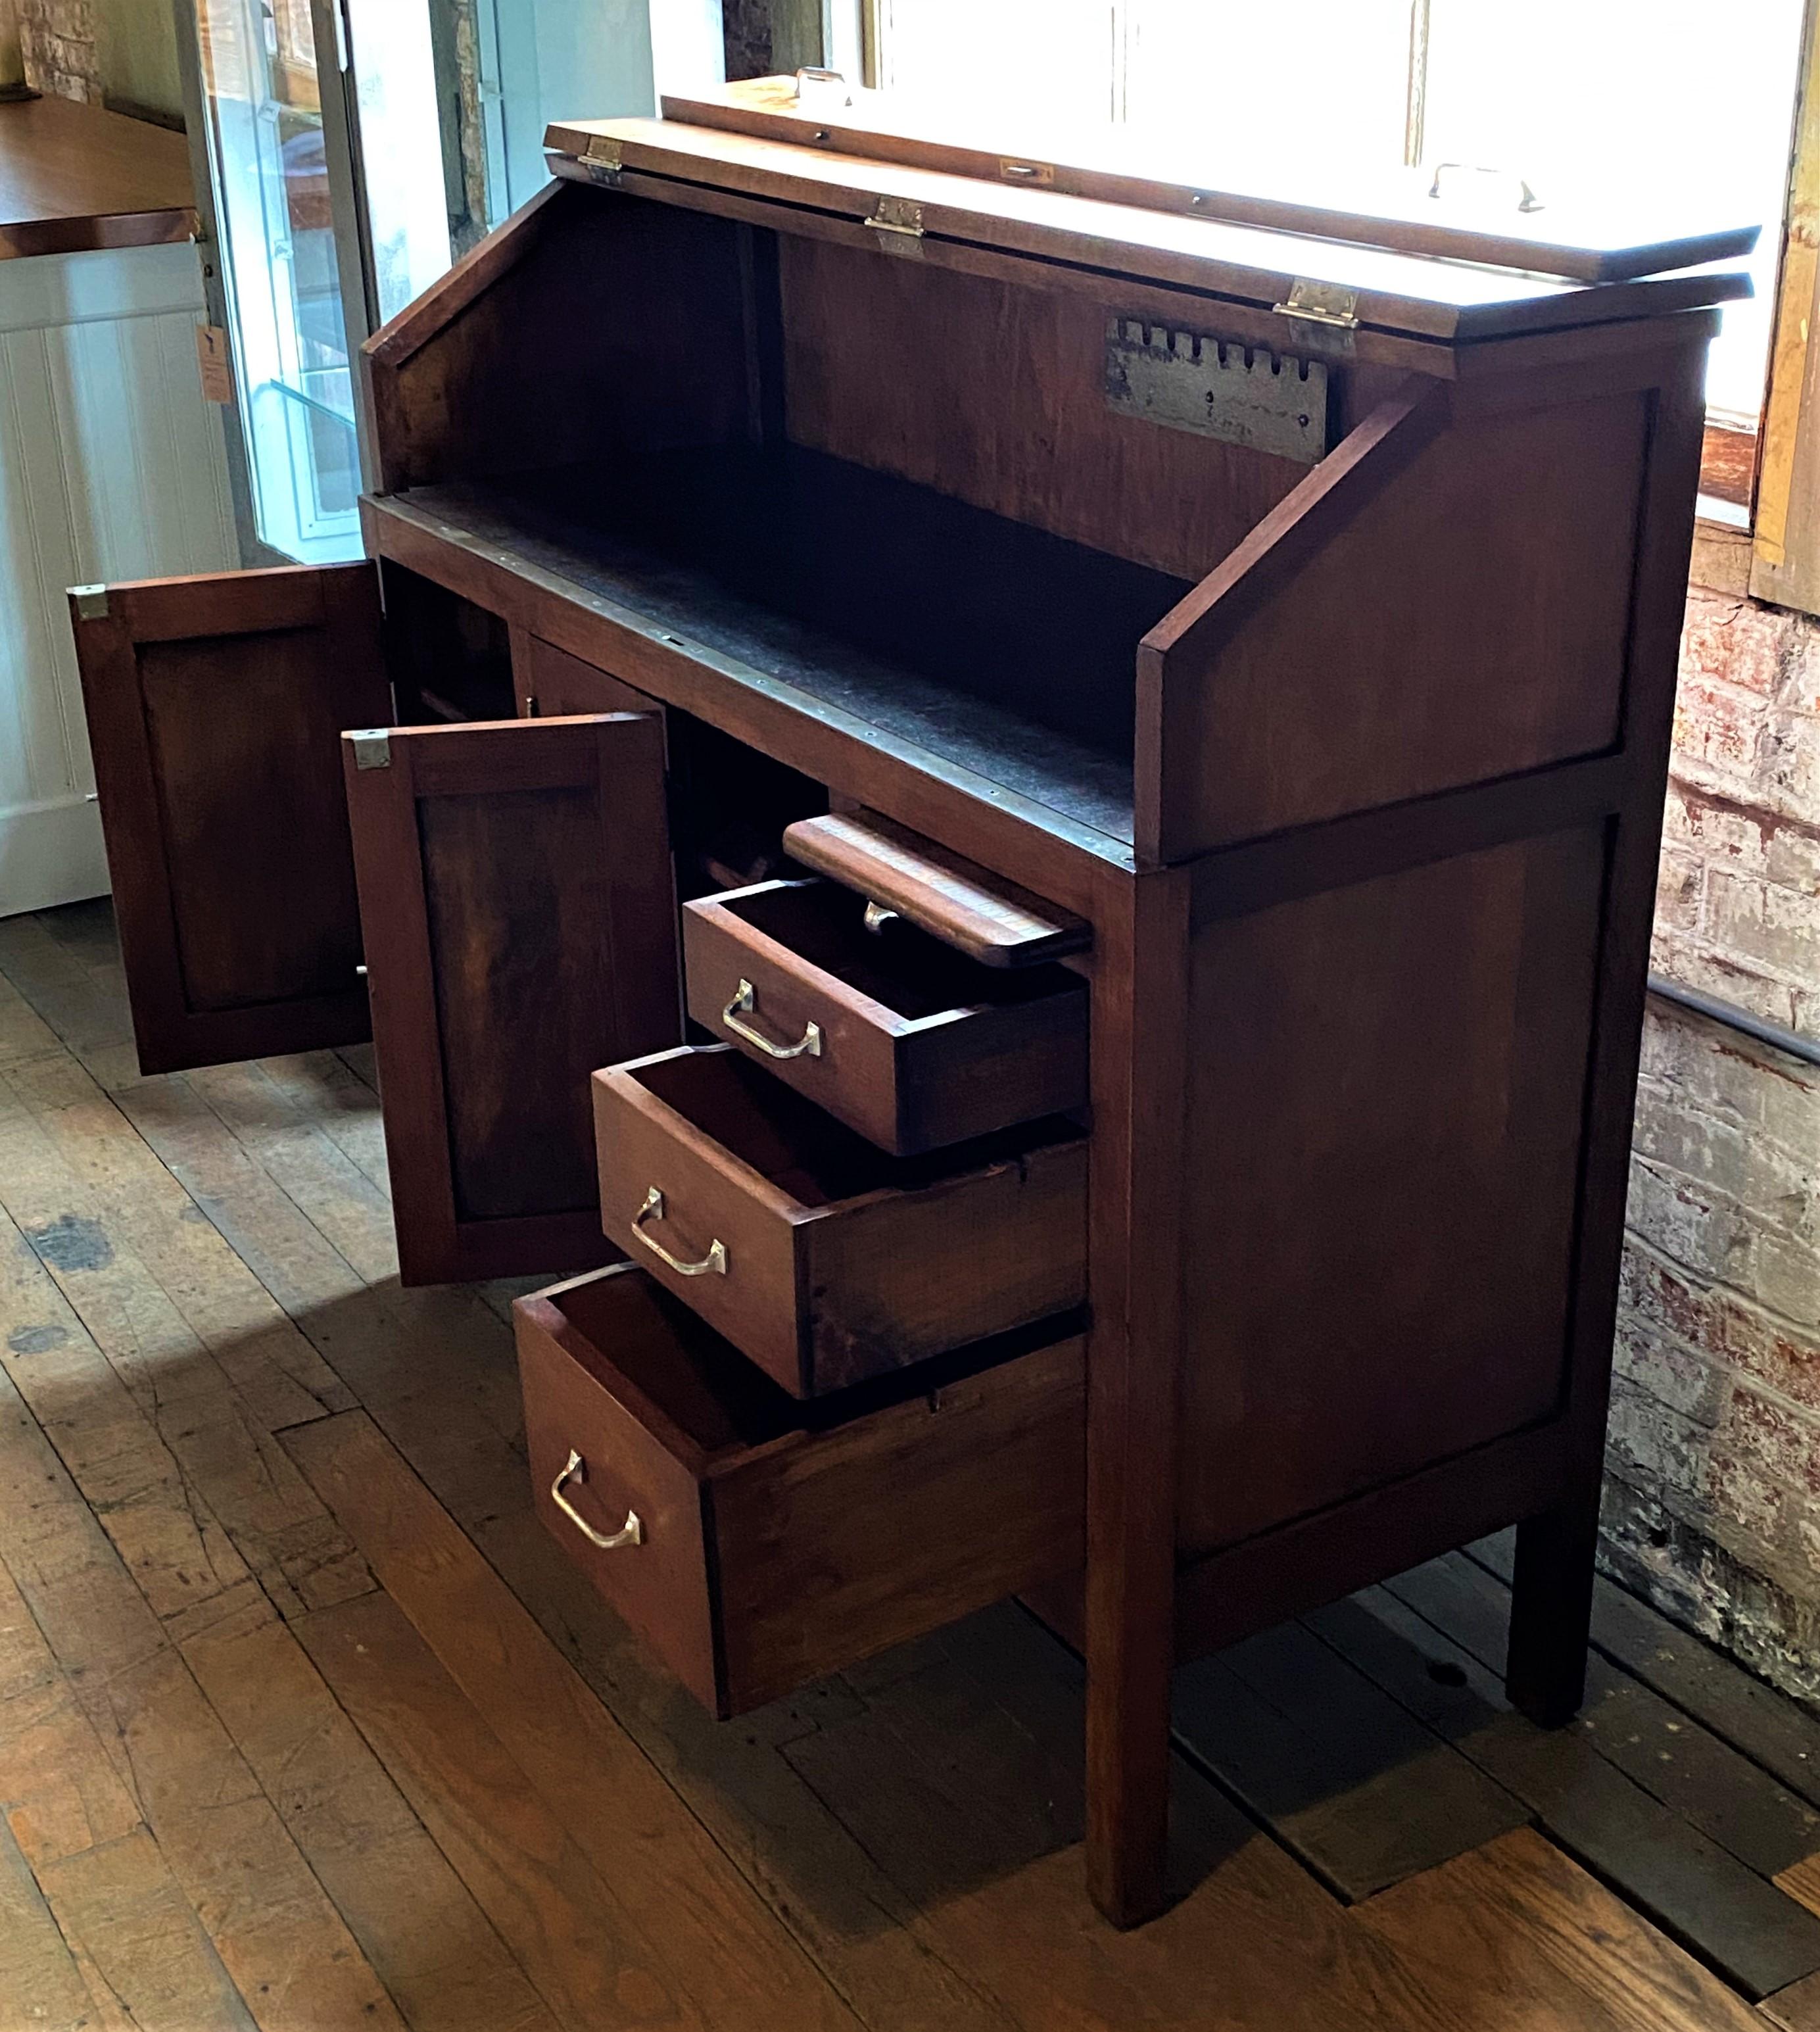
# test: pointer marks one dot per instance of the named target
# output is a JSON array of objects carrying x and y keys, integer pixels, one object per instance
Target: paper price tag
[{"x": 211, "y": 357}]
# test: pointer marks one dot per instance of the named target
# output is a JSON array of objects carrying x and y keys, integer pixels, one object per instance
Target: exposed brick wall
[
  {"x": 59, "y": 41},
  {"x": 1713, "y": 1495}
]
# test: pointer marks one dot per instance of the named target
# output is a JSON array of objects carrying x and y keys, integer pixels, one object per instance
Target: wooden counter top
[{"x": 73, "y": 178}]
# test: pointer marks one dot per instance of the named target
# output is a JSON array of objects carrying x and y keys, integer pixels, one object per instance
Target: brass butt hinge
[
  {"x": 372, "y": 746},
  {"x": 1322, "y": 303},
  {"x": 602, "y": 158},
  {"x": 898, "y": 222},
  {"x": 90, "y": 601}
]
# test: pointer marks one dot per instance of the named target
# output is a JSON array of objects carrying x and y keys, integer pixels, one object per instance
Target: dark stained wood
[
  {"x": 826, "y": 1246},
  {"x": 660, "y": 306},
  {"x": 515, "y": 894},
  {"x": 1294, "y": 687},
  {"x": 1141, "y": 1068},
  {"x": 550, "y": 684},
  {"x": 904, "y": 1039},
  {"x": 901, "y": 1839},
  {"x": 1448, "y": 1008},
  {"x": 774, "y": 703},
  {"x": 1456, "y": 300},
  {"x": 74, "y": 178},
  {"x": 953, "y": 900},
  {"x": 1361, "y": 827},
  {"x": 948, "y": 380},
  {"x": 751, "y": 1577},
  {"x": 213, "y": 704},
  {"x": 1553, "y": 1590}
]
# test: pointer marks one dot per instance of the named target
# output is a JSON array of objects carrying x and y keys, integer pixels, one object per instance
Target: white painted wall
[{"x": 112, "y": 466}]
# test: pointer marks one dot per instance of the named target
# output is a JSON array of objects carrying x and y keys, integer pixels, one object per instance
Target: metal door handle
[
  {"x": 715, "y": 1260},
  {"x": 745, "y": 1002},
  {"x": 630, "y": 1533}
]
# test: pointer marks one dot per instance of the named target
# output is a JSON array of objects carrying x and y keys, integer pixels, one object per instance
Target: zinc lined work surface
[{"x": 304, "y": 1722}]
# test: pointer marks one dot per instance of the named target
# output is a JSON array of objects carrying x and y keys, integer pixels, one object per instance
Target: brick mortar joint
[{"x": 1779, "y": 1323}]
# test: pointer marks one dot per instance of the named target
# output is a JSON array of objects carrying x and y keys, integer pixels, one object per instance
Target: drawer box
[
  {"x": 900, "y": 1037},
  {"x": 826, "y": 1260},
  {"x": 774, "y": 1541}
]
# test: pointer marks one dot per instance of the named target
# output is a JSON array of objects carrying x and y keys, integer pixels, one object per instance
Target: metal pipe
[{"x": 1806, "y": 1049}]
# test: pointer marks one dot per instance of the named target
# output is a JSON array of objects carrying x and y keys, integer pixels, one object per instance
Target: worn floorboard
[{"x": 306, "y": 1722}]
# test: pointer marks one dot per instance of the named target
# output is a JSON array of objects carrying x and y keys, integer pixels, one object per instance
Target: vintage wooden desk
[{"x": 1214, "y": 656}]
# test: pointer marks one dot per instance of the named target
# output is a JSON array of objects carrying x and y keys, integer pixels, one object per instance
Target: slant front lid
[
  {"x": 1328, "y": 287},
  {"x": 1457, "y": 211}
]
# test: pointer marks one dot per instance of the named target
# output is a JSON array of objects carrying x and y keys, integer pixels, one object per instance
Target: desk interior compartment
[
  {"x": 826, "y": 1260},
  {"x": 775, "y": 1541},
  {"x": 897, "y": 1034}
]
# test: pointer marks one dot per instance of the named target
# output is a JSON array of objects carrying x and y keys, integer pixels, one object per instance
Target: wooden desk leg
[
  {"x": 1139, "y": 1071},
  {"x": 1551, "y": 1611},
  {"x": 1551, "y": 1606}
]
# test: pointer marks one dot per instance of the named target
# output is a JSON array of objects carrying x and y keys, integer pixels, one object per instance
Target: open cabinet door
[
  {"x": 520, "y": 930},
  {"x": 213, "y": 707}
]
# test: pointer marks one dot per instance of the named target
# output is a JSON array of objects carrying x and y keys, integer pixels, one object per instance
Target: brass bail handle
[
  {"x": 1526, "y": 200},
  {"x": 630, "y": 1533},
  {"x": 713, "y": 1263},
  {"x": 745, "y": 1002}
]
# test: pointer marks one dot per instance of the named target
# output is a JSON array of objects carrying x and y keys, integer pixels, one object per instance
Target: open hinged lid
[{"x": 1442, "y": 268}]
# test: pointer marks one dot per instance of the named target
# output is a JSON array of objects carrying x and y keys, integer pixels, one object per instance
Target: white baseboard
[{"x": 50, "y": 854}]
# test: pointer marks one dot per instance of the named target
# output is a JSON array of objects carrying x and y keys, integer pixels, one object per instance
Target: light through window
[{"x": 1594, "y": 103}]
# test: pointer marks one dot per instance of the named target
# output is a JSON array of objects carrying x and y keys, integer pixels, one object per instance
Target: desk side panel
[
  {"x": 575, "y": 330},
  {"x": 1386, "y": 1101},
  {"x": 1446, "y": 600}
]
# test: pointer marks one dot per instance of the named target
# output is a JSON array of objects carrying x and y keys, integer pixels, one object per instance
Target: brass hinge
[
  {"x": 1021, "y": 170},
  {"x": 1322, "y": 303},
  {"x": 602, "y": 158},
  {"x": 91, "y": 602},
  {"x": 372, "y": 746},
  {"x": 898, "y": 222}
]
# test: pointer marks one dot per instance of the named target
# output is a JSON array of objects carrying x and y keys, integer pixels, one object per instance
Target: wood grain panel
[
  {"x": 645, "y": 313},
  {"x": 1383, "y": 1161},
  {"x": 1465, "y": 614},
  {"x": 213, "y": 707},
  {"x": 519, "y": 924},
  {"x": 993, "y": 394}
]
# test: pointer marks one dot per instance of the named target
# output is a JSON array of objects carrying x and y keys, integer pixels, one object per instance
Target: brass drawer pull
[
  {"x": 715, "y": 1260},
  {"x": 745, "y": 1002},
  {"x": 630, "y": 1533}
]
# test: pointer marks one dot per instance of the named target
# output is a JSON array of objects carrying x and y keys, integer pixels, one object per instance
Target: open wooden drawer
[
  {"x": 826, "y": 1260},
  {"x": 756, "y": 1542},
  {"x": 899, "y": 1036}
]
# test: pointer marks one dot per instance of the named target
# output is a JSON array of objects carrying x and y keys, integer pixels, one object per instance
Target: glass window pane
[
  {"x": 277, "y": 255},
  {"x": 1319, "y": 86},
  {"x": 401, "y": 147},
  {"x": 1643, "y": 101},
  {"x": 1035, "y": 63}
]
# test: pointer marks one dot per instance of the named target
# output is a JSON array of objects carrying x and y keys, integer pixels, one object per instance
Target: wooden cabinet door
[
  {"x": 213, "y": 707},
  {"x": 520, "y": 930}
]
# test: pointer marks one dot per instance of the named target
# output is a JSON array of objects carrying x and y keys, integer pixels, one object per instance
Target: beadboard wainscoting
[{"x": 112, "y": 466}]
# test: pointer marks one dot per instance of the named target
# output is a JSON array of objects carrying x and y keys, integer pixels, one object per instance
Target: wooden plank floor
[{"x": 305, "y": 1724}]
